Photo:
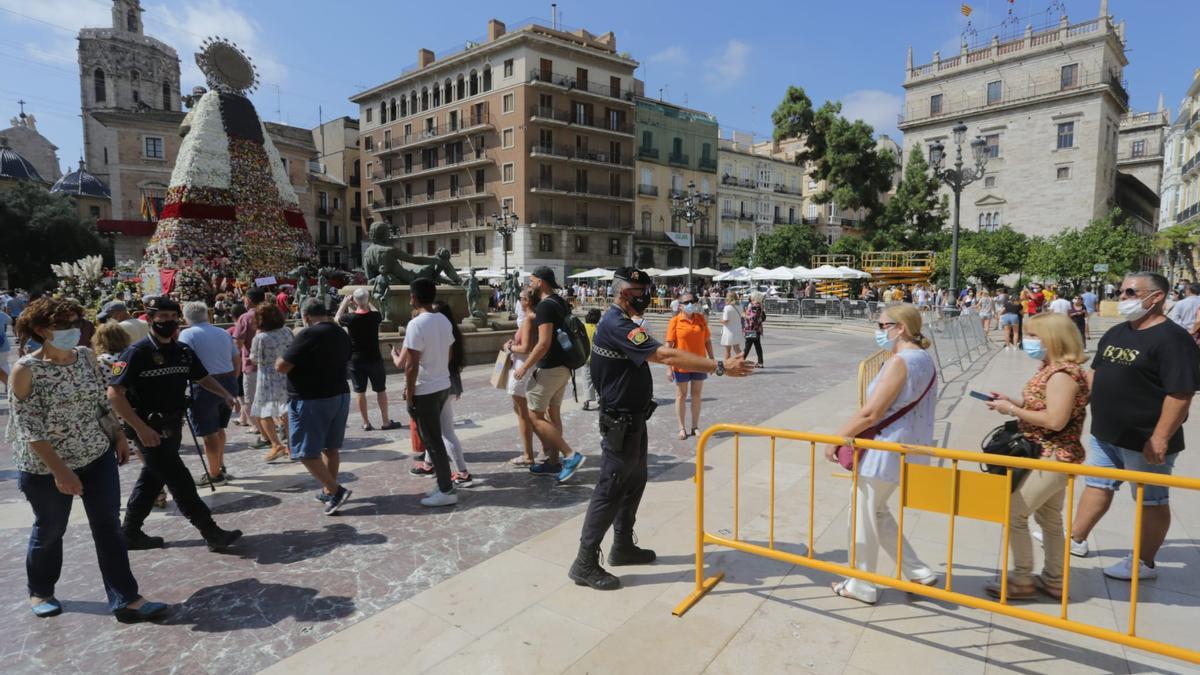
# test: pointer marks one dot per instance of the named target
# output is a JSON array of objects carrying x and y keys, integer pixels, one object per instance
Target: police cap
[
  {"x": 632, "y": 275},
  {"x": 161, "y": 303}
]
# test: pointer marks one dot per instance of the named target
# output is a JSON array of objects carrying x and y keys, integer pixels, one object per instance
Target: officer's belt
[{"x": 608, "y": 353}]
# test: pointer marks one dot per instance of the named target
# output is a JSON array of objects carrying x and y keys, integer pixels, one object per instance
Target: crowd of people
[{"x": 140, "y": 386}]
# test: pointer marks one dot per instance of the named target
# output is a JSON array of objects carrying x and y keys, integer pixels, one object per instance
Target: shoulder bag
[
  {"x": 848, "y": 455},
  {"x": 1008, "y": 440}
]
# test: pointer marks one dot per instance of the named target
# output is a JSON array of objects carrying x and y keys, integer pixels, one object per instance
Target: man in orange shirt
[{"x": 688, "y": 331}]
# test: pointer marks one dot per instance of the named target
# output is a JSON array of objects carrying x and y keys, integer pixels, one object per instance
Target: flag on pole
[
  {"x": 145, "y": 208},
  {"x": 966, "y": 9}
]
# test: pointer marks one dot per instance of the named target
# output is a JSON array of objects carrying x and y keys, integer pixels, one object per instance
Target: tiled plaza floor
[{"x": 298, "y": 576}]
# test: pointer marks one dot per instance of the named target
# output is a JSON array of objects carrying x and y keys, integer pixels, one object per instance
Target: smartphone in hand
[{"x": 981, "y": 397}]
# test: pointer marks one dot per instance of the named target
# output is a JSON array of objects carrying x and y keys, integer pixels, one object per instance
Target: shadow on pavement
[{"x": 248, "y": 604}]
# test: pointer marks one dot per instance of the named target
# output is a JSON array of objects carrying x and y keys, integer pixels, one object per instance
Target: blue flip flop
[{"x": 47, "y": 609}]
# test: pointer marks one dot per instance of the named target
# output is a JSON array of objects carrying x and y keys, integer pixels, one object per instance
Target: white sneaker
[
  {"x": 440, "y": 498},
  {"x": 1079, "y": 549},
  {"x": 1124, "y": 570}
]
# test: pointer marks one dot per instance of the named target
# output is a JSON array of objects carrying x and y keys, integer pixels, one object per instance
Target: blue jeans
[
  {"x": 51, "y": 509},
  {"x": 1110, "y": 456}
]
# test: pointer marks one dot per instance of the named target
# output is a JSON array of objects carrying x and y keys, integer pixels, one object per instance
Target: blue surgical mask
[
  {"x": 1033, "y": 347},
  {"x": 882, "y": 339},
  {"x": 690, "y": 308},
  {"x": 65, "y": 339}
]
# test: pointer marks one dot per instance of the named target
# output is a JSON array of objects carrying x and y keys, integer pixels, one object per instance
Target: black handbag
[{"x": 1008, "y": 440}]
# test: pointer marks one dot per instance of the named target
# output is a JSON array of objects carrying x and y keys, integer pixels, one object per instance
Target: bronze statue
[
  {"x": 472, "y": 285},
  {"x": 380, "y": 293},
  {"x": 383, "y": 255}
]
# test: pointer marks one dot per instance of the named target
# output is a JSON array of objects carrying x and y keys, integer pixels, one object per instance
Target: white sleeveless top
[{"x": 915, "y": 428}]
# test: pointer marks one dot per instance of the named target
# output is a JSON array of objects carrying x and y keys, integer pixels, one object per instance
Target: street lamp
[
  {"x": 958, "y": 178},
  {"x": 505, "y": 224},
  {"x": 690, "y": 207}
]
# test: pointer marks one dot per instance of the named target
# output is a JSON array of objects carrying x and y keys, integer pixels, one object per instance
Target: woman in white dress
[
  {"x": 270, "y": 398},
  {"x": 519, "y": 348},
  {"x": 731, "y": 326}
]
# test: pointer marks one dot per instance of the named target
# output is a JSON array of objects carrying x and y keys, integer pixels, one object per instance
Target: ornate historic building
[{"x": 23, "y": 137}]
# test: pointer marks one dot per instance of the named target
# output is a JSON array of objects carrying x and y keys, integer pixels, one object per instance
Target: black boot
[
  {"x": 625, "y": 552},
  {"x": 219, "y": 540},
  {"x": 586, "y": 571},
  {"x": 136, "y": 540}
]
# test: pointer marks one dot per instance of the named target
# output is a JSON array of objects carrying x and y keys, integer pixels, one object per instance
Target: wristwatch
[{"x": 720, "y": 368}]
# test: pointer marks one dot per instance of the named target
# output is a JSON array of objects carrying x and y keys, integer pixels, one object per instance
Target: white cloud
[
  {"x": 70, "y": 14},
  {"x": 185, "y": 26},
  {"x": 873, "y": 106},
  {"x": 56, "y": 52},
  {"x": 673, "y": 55},
  {"x": 724, "y": 70}
]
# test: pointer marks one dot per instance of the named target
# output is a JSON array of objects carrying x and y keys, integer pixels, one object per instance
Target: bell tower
[{"x": 127, "y": 16}]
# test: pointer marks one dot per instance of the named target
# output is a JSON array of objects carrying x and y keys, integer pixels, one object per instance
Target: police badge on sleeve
[
  {"x": 637, "y": 336},
  {"x": 119, "y": 367}
]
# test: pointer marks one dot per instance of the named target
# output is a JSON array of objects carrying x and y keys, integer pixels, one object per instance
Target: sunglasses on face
[
  {"x": 1133, "y": 293},
  {"x": 885, "y": 326}
]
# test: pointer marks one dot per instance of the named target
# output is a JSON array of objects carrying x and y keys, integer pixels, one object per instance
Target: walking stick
[{"x": 192, "y": 430}]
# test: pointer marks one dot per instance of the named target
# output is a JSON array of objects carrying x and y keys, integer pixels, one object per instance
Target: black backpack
[{"x": 576, "y": 356}]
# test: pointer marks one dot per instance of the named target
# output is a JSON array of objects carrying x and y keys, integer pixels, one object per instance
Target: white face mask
[{"x": 1132, "y": 309}]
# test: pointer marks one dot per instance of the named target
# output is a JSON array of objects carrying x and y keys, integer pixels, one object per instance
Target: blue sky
[{"x": 731, "y": 59}]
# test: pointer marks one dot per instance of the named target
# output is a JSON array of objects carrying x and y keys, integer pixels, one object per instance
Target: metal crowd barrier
[
  {"x": 957, "y": 341},
  {"x": 949, "y": 491},
  {"x": 868, "y": 368}
]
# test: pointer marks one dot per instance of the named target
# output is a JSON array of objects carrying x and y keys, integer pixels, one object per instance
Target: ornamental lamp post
[
  {"x": 957, "y": 178},
  {"x": 505, "y": 224},
  {"x": 690, "y": 207}
]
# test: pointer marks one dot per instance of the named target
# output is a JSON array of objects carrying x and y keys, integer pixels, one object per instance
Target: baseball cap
[
  {"x": 161, "y": 303},
  {"x": 545, "y": 274},
  {"x": 110, "y": 307}
]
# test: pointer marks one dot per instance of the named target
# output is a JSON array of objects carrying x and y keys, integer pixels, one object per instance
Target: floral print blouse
[
  {"x": 63, "y": 408},
  {"x": 1063, "y": 445}
]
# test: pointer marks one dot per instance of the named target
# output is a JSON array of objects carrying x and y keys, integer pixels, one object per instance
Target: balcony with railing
[
  {"x": 461, "y": 193},
  {"x": 1188, "y": 213},
  {"x": 466, "y": 161},
  {"x": 734, "y": 181},
  {"x": 678, "y": 158},
  {"x": 708, "y": 164},
  {"x": 647, "y": 152},
  {"x": 785, "y": 190},
  {"x": 577, "y": 154},
  {"x": 355, "y": 181},
  {"x": 581, "y": 220},
  {"x": 355, "y": 214},
  {"x": 648, "y": 190},
  {"x": 539, "y": 113},
  {"x": 1191, "y": 165},
  {"x": 571, "y": 83},
  {"x": 1014, "y": 92},
  {"x": 746, "y": 215},
  {"x": 436, "y": 133},
  {"x": 576, "y": 189},
  {"x": 784, "y": 220}
]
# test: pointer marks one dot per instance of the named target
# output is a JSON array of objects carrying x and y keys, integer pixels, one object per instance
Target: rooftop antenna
[{"x": 554, "y": 15}]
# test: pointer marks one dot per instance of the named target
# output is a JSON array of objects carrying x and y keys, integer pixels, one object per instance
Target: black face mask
[
  {"x": 639, "y": 303},
  {"x": 165, "y": 329}
]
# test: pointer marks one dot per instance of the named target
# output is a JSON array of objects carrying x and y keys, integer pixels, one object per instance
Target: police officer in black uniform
[
  {"x": 148, "y": 390},
  {"x": 621, "y": 352}
]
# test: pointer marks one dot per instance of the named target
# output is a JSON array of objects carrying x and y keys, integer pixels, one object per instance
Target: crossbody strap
[{"x": 906, "y": 409}]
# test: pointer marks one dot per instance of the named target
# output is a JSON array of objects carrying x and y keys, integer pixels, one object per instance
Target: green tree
[
  {"x": 842, "y": 153},
  {"x": 973, "y": 263},
  {"x": 788, "y": 245},
  {"x": 1178, "y": 243},
  {"x": 851, "y": 245},
  {"x": 37, "y": 229},
  {"x": 914, "y": 217},
  {"x": 1070, "y": 255}
]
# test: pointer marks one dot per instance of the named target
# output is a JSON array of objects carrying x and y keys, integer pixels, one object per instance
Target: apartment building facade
[
  {"x": 1185, "y": 202},
  {"x": 534, "y": 122},
  {"x": 676, "y": 147},
  {"x": 1049, "y": 105},
  {"x": 336, "y": 174},
  {"x": 758, "y": 189}
]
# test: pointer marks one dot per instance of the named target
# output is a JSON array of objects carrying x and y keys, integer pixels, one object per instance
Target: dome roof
[
  {"x": 82, "y": 182},
  {"x": 15, "y": 167}
]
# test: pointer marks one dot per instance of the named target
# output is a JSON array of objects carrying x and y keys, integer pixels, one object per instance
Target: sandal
[
  {"x": 839, "y": 588},
  {"x": 368, "y": 427},
  {"x": 520, "y": 460},
  {"x": 683, "y": 434},
  {"x": 694, "y": 430}
]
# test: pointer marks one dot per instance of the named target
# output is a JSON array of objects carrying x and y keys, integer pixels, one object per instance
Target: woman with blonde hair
[
  {"x": 1050, "y": 414},
  {"x": 109, "y": 340},
  {"x": 986, "y": 309},
  {"x": 900, "y": 409},
  {"x": 731, "y": 326}
]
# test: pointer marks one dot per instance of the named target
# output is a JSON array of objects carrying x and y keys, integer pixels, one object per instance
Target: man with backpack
[{"x": 549, "y": 367}]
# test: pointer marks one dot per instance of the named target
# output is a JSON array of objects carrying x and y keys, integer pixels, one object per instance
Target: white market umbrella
[
  {"x": 851, "y": 273},
  {"x": 761, "y": 274},
  {"x": 607, "y": 276},
  {"x": 801, "y": 272},
  {"x": 675, "y": 272},
  {"x": 783, "y": 274},
  {"x": 706, "y": 272},
  {"x": 737, "y": 274},
  {"x": 826, "y": 272},
  {"x": 653, "y": 271},
  {"x": 594, "y": 273}
]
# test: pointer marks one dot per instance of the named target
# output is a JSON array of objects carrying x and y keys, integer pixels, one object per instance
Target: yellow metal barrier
[
  {"x": 868, "y": 368},
  {"x": 945, "y": 490}
]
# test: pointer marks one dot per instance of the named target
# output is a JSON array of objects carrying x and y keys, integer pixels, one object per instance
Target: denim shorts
[
  {"x": 682, "y": 377},
  {"x": 209, "y": 412},
  {"x": 317, "y": 424},
  {"x": 1008, "y": 319},
  {"x": 1110, "y": 456}
]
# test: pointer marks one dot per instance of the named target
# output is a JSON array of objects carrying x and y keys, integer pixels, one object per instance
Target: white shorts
[{"x": 517, "y": 387}]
